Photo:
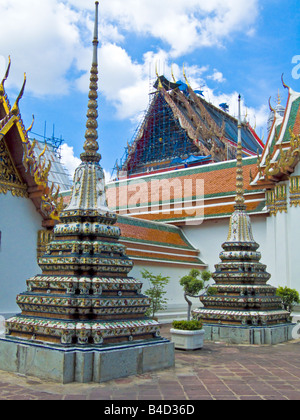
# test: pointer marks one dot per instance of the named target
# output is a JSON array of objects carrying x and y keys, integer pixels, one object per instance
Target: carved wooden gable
[{"x": 9, "y": 177}]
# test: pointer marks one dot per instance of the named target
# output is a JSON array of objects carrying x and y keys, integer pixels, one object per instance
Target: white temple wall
[
  {"x": 210, "y": 236},
  {"x": 19, "y": 224},
  {"x": 175, "y": 295},
  {"x": 283, "y": 244},
  {"x": 294, "y": 238}
]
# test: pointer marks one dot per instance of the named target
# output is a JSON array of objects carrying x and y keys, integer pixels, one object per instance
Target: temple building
[
  {"x": 199, "y": 197},
  {"x": 31, "y": 178},
  {"x": 174, "y": 190},
  {"x": 181, "y": 129}
]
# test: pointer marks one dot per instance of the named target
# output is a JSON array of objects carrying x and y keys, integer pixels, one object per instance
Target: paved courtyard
[{"x": 217, "y": 372}]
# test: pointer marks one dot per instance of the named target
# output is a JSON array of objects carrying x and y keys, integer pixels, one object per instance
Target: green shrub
[
  {"x": 156, "y": 292},
  {"x": 290, "y": 297},
  {"x": 187, "y": 325}
]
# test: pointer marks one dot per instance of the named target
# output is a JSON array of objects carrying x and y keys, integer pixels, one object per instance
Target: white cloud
[
  {"x": 217, "y": 76},
  {"x": 183, "y": 25},
  {"x": 71, "y": 162},
  {"x": 68, "y": 159},
  {"x": 124, "y": 81},
  {"x": 48, "y": 38},
  {"x": 2, "y": 67},
  {"x": 107, "y": 176},
  {"x": 43, "y": 39}
]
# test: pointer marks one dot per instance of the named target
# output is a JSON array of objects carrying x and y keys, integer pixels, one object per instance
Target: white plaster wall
[
  {"x": 19, "y": 224},
  {"x": 175, "y": 296},
  {"x": 294, "y": 242},
  {"x": 211, "y": 234},
  {"x": 278, "y": 237},
  {"x": 283, "y": 244}
]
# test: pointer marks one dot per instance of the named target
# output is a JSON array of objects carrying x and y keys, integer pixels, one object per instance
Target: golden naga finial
[
  {"x": 185, "y": 78},
  {"x": 15, "y": 109},
  {"x": 270, "y": 106},
  {"x": 173, "y": 74},
  {"x": 239, "y": 200},
  {"x": 42, "y": 154},
  {"x": 250, "y": 176},
  {"x": 283, "y": 84},
  {"x": 91, "y": 146},
  {"x": 5, "y": 77},
  {"x": 31, "y": 126}
]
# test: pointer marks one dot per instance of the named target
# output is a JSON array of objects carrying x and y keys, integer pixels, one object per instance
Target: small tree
[
  {"x": 290, "y": 297},
  {"x": 193, "y": 284},
  {"x": 156, "y": 292}
]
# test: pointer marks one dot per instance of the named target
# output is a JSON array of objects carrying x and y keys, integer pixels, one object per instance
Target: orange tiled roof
[
  {"x": 157, "y": 243},
  {"x": 181, "y": 195}
]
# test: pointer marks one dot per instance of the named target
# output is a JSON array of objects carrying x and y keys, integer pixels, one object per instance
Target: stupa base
[
  {"x": 269, "y": 335},
  {"x": 68, "y": 365}
]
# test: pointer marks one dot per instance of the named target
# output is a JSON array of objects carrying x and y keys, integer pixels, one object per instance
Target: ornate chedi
[
  {"x": 85, "y": 298},
  {"x": 243, "y": 298}
]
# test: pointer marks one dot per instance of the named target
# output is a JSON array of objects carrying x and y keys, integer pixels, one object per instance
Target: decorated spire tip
[
  {"x": 239, "y": 200},
  {"x": 95, "y": 40},
  {"x": 91, "y": 146}
]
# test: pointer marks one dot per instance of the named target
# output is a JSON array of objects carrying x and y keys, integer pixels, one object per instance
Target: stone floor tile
[{"x": 219, "y": 372}]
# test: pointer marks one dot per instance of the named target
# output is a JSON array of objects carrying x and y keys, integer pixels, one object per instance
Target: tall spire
[
  {"x": 239, "y": 199},
  {"x": 243, "y": 299},
  {"x": 91, "y": 146}
]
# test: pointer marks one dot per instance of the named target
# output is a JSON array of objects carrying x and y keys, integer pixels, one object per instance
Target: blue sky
[{"x": 227, "y": 46}]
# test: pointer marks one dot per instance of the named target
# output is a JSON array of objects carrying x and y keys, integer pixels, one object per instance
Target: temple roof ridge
[
  {"x": 273, "y": 164},
  {"x": 195, "y": 128}
]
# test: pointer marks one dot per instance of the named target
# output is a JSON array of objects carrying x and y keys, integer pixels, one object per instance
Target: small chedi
[
  {"x": 245, "y": 308},
  {"x": 85, "y": 300}
]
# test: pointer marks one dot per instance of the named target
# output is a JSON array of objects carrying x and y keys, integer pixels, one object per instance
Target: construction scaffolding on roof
[
  {"x": 58, "y": 174},
  {"x": 179, "y": 129}
]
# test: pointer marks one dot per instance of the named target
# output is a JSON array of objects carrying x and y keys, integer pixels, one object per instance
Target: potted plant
[
  {"x": 187, "y": 335},
  {"x": 194, "y": 283},
  {"x": 156, "y": 292}
]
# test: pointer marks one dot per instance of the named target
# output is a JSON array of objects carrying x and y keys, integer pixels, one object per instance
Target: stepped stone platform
[{"x": 84, "y": 365}]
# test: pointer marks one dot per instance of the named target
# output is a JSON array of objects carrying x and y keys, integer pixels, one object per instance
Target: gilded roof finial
[
  {"x": 31, "y": 126},
  {"x": 173, "y": 74},
  {"x": 279, "y": 98},
  {"x": 283, "y": 84},
  {"x": 239, "y": 200},
  {"x": 270, "y": 106},
  {"x": 91, "y": 145},
  {"x": 184, "y": 75},
  {"x": 15, "y": 109},
  {"x": 5, "y": 77}
]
